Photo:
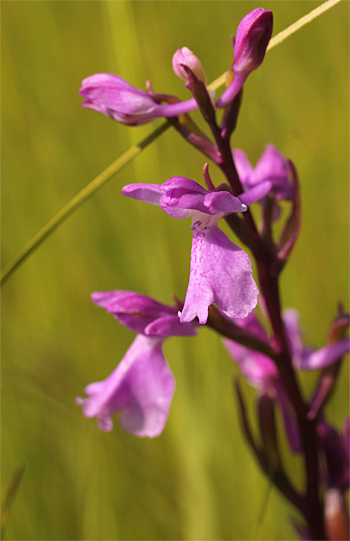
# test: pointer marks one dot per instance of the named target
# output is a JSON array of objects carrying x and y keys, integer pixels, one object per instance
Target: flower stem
[{"x": 312, "y": 507}]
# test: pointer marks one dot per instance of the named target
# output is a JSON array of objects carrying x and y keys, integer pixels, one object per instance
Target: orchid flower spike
[
  {"x": 112, "y": 96},
  {"x": 220, "y": 270},
  {"x": 253, "y": 35}
]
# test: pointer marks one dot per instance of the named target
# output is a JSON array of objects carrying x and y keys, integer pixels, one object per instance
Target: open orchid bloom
[
  {"x": 273, "y": 167},
  {"x": 220, "y": 270},
  {"x": 141, "y": 388},
  {"x": 114, "y": 97},
  {"x": 142, "y": 385}
]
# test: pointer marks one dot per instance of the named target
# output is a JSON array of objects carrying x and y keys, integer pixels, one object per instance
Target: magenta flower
[
  {"x": 272, "y": 167},
  {"x": 112, "y": 96},
  {"x": 143, "y": 314},
  {"x": 261, "y": 372},
  {"x": 220, "y": 270},
  {"x": 253, "y": 35},
  {"x": 306, "y": 358},
  {"x": 142, "y": 385},
  {"x": 325, "y": 356}
]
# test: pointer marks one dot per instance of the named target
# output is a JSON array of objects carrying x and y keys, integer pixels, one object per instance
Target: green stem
[{"x": 78, "y": 200}]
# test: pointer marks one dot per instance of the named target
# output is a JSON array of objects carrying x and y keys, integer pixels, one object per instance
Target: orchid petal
[
  {"x": 132, "y": 310},
  {"x": 326, "y": 356},
  {"x": 220, "y": 272},
  {"x": 254, "y": 194},
  {"x": 141, "y": 388},
  {"x": 259, "y": 370},
  {"x": 243, "y": 165},
  {"x": 149, "y": 193}
]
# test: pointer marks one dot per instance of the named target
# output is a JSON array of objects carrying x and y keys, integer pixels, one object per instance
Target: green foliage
[{"x": 198, "y": 479}]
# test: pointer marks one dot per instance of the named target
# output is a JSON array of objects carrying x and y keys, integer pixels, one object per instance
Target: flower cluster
[{"x": 222, "y": 292}]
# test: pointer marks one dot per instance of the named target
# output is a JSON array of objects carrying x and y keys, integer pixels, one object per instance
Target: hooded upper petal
[
  {"x": 183, "y": 196},
  {"x": 141, "y": 388}
]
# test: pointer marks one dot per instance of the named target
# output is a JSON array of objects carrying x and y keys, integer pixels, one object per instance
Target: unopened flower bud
[
  {"x": 253, "y": 35},
  {"x": 336, "y": 517},
  {"x": 186, "y": 57}
]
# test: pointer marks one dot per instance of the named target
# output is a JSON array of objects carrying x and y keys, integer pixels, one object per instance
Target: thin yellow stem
[
  {"x": 78, "y": 200},
  {"x": 286, "y": 33},
  {"x": 134, "y": 151},
  {"x": 301, "y": 22}
]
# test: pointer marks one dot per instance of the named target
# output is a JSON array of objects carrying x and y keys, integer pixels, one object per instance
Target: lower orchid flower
[
  {"x": 273, "y": 167},
  {"x": 142, "y": 385},
  {"x": 220, "y": 271}
]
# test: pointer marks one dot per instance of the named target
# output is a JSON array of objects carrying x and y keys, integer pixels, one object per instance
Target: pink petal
[
  {"x": 220, "y": 272},
  {"x": 141, "y": 388}
]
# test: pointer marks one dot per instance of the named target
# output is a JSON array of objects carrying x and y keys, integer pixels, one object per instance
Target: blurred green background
[{"x": 197, "y": 480}]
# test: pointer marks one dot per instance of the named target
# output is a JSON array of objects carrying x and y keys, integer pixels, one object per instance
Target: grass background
[{"x": 198, "y": 479}]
